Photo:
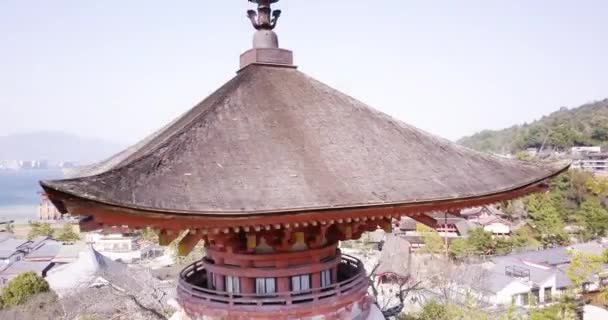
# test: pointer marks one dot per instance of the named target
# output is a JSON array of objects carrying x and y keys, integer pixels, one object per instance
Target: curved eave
[{"x": 113, "y": 213}]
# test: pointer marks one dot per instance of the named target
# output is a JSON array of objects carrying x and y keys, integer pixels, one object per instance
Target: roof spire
[
  {"x": 266, "y": 49},
  {"x": 261, "y": 19}
]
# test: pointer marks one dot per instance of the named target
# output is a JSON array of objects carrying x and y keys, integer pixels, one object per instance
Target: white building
[
  {"x": 121, "y": 246},
  {"x": 584, "y": 150},
  {"x": 495, "y": 225},
  {"x": 520, "y": 282},
  {"x": 596, "y": 163}
]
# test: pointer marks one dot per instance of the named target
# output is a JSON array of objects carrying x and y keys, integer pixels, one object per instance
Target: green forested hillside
[{"x": 585, "y": 125}]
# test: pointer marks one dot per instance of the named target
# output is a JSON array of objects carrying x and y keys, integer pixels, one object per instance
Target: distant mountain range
[
  {"x": 54, "y": 147},
  {"x": 582, "y": 126}
]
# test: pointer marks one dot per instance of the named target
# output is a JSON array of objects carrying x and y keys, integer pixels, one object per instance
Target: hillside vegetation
[{"x": 582, "y": 126}]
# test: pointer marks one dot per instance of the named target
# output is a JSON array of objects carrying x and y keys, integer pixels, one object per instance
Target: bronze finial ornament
[{"x": 261, "y": 19}]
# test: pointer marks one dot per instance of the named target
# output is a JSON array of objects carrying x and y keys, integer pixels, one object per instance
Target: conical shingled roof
[{"x": 275, "y": 140}]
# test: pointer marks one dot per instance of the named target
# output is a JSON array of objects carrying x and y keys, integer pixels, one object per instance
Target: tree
[
  {"x": 434, "y": 310},
  {"x": 564, "y": 310},
  {"x": 524, "y": 156},
  {"x": 481, "y": 241},
  {"x": 390, "y": 298},
  {"x": 127, "y": 293},
  {"x": 502, "y": 246},
  {"x": 197, "y": 253},
  {"x": 524, "y": 238},
  {"x": 66, "y": 234},
  {"x": 513, "y": 209},
  {"x": 40, "y": 306},
  {"x": 38, "y": 229},
  {"x": 437, "y": 310},
  {"x": 460, "y": 248},
  {"x": 21, "y": 288},
  {"x": 598, "y": 186},
  {"x": 546, "y": 221},
  {"x": 593, "y": 217},
  {"x": 431, "y": 238},
  {"x": 149, "y": 235},
  {"x": 582, "y": 266}
]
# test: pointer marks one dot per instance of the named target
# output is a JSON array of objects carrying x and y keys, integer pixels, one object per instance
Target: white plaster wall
[
  {"x": 505, "y": 295},
  {"x": 127, "y": 257},
  {"x": 550, "y": 282},
  {"x": 497, "y": 228}
]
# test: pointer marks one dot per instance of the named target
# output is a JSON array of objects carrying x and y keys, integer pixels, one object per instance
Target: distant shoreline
[
  {"x": 19, "y": 192},
  {"x": 19, "y": 213}
]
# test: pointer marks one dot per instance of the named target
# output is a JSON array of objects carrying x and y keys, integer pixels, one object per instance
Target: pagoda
[{"x": 272, "y": 171}]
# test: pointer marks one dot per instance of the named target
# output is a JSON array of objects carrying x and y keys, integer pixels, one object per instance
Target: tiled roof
[
  {"x": 275, "y": 140},
  {"x": 395, "y": 257},
  {"x": 9, "y": 246},
  {"x": 25, "y": 266},
  {"x": 46, "y": 251}
]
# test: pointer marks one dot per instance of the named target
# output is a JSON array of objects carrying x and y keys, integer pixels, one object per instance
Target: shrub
[{"x": 21, "y": 288}]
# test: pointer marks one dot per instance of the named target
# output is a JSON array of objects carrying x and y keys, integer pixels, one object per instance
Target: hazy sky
[{"x": 120, "y": 69}]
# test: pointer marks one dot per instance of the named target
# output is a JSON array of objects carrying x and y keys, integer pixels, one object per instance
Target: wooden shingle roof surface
[{"x": 275, "y": 140}]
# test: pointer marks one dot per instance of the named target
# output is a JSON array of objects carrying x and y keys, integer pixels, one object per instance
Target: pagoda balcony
[{"x": 197, "y": 299}]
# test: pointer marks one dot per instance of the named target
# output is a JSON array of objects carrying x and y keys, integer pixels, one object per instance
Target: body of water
[{"x": 19, "y": 190}]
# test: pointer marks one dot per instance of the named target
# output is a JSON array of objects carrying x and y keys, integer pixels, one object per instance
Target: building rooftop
[
  {"x": 46, "y": 251},
  {"x": 463, "y": 227},
  {"x": 69, "y": 253},
  {"x": 9, "y": 246},
  {"x": 442, "y": 217},
  {"x": 492, "y": 219},
  {"x": 395, "y": 257},
  {"x": 548, "y": 257},
  {"x": 19, "y": 267},
  {"x": 86, "y": 269},
  {"x": 5, "y": 236},
  {"x": 274, "y": 140}
]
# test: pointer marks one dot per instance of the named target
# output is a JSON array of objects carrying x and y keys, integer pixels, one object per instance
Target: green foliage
[
  {"x": 523, "y": 156},
  {"x": 460, "y": 249},
  {"x": 66, "y": 234},
  {"x": 593, "y": 218},
  {"x": 564, "y": 310},
  {"x": 582, "y": 266},
  {"x": 149, "y": 235},
  {"x": 546, "y": 221},
  {"x": 431, "y": 238},
  {"x": 510, "y": 315},
  {"x": 524, "y": 238},
  {"x": 481, "y": 241},
  {"x": 38, "y": 229},
  {"x": 434, "y": 310},
  {"x": 598, "y": 186},
  {"x": 196, "y": 254},
  {"x": 585, "y": 125},
  {"x": 21, "y": 288}
]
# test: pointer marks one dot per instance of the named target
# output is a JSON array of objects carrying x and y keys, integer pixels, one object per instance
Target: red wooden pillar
[
  {"x": 316, "y": 277},
  {"x": 219, "y": 282},
  {"x": 334, "y": 275},
  {"x": 283, "y": 282},
  {"x": 247, "y": 284},
  {"x": 316, "y": 280}
]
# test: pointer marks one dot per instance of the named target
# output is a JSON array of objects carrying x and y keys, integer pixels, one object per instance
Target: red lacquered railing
[{"x": 354, "y": 280}]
